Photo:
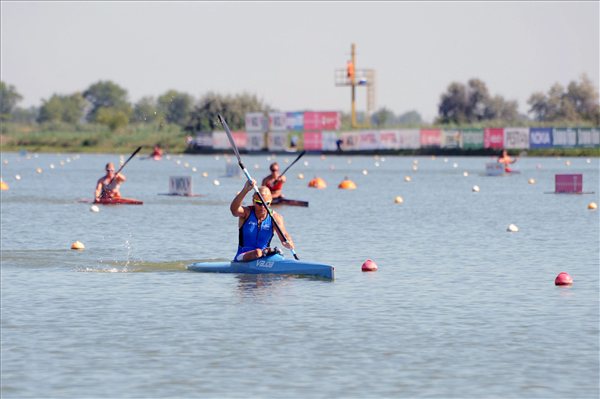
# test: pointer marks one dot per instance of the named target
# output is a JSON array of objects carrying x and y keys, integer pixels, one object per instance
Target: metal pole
[{"x": 353, "y": 83}]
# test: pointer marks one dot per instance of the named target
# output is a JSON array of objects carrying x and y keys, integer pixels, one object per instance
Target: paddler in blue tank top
[{"x": 256, "y": 226}]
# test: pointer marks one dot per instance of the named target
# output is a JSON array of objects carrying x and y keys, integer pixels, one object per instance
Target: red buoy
[
  {"x": 563, "y": 278},
  {"x": 369, "y": 266}
]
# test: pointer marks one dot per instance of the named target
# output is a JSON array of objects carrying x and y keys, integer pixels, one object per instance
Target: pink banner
[
  {"x": 431, "y": 138},
  {"x": 240, "y": 138},
  {"x": 493, "y": 137},
  {"x": 568, "y": 183},
  {"x": 322, "y": 120},
  {"x": 313, "y": 141}
]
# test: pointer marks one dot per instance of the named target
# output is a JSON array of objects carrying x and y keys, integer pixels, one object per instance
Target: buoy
[
  {"x": 305, "y": 163},
  {"x": 347, "y": 184},
  {"x": 300, "y": 176},
  {"x": 531, "y": 181},
  {"x": 77, "y": 245},
  {"x": 94, "y": 208},
  {"x": 5, "y": 162},
  {"x": 216, "y": 182},
  {"x": 194, "y": 169},
  {"x": 455, "y": 165},
  {"x": 3, "y": 186},
  {"x": 39, "y": 170},
  {"x": 592, "y": 205},
  {"x": 204, "y": 174},
  {"x": 465, "y": 173},
  {"x": 186, "y": 165},
  {"x": 376, "y": 164},
  {"x": 568, "y": 163},
  {"x": 475, "y": 189},
  {"x": 17, "y": 177},
  {"x": 415, "y": 168},
  {"x": 369, "y": 266},
  {"x": 365, "y": 172},
  {"x": 407, "y": 178},
  {"x": 51, "y": 166},
  {"x": 512, "y": 228},
  {"x": 563, "y": 278},
  {"x": 317, "y": 182},
  {"x": 398, "y": 200}
]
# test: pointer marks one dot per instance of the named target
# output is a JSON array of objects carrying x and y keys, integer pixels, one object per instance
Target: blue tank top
[{"x": 253, "y": 236}]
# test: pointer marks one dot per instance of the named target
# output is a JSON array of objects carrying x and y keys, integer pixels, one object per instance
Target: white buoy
[
  {"x": 398, "y": 200},
  {"x": 305, "y": 163},
  {"x": 194, "y": 169},
  {"x": 475, "y": 189},
  {"x": 465, "y": 173},
  {"x": 38, "y": 170},
  {"x": 455, "y": 165},
  {"x": 216, "y": 182},
  {"x": 377, "y": 164},
  {"x": 407, "y": 179},
  {"x": 512, "y": 228},
  {"x": 365, "y": 172},
  {"x": 300, "y": 176},
  {"x": 415, "y": 168},
  {"x": 531, "y": 181},
  {"x": 17, "y": 177},
  {"x": 94, "y": 208},
  {"x": 204, "y": 174},
  {"x": 51, "y": 166}
]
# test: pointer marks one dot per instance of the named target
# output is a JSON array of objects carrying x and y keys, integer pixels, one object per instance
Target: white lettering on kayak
[{"x": 265, "y": 264}]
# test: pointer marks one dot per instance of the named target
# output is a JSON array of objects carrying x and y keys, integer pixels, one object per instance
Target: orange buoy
[
  {"x": 592, "y": 206},
  {"x": 3, "y": 186},
  {"x": 317, "y": 182},
  {"x": 563, "y": 278},
  {"x": 369, "y": 266},
  {"x": 77, "y": 245},
  {"x": 347, "y": 184}
]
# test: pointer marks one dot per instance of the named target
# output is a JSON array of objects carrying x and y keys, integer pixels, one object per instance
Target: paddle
[
  {"x": 296, "y": 160},
  {"x": 264, "y": 203},
  {"x": 121, "y": 168}
]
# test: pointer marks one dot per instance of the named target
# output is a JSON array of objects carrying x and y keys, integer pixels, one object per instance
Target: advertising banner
[
  {"x": 431, "y": 138},
  {"x": 313, "y": 141},
  {"x": 277, "y": 141},
  {"x": 472, "y": 139},
  {"x": 409, "y": 139},
  {"x": 368, "y": 140},
  {"x": 322, "y": 121},
  {"x": 294, "y": 121},
  {"x": 588, "y": 137},
  {"x": 564, "y": 137},
  {"x": 493, "y": 137},
  {"x": 451, "y": 138},
  {"x": 516, "y": 137},
  {"x": 277, "y": 122},
  {"x": 540, "y": 137},
  {"x": 253, "y": 141},
  {"x": 203, "y": 140},
  {"x": 568, "y": 183},
  {"x": 220, "y": 141},
  {"x": 256, "y": 122},
  {"x": 350, "y": 141},
  {"x": 329, "y": 141},
  {"x": 388, "y": 140}
]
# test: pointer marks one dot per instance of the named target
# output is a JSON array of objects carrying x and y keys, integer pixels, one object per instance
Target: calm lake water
[{"x": 459, "y": 307}]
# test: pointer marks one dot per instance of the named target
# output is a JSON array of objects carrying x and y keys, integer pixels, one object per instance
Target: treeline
[{"x": 106, "y": 103}]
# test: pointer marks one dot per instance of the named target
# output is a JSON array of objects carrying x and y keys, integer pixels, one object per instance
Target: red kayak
[{"x": 118, "y": 201}]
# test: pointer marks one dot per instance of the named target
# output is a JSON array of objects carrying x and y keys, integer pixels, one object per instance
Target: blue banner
[
  {"x": 295, "y": 121},
  {"x": 540, "y": 137}
]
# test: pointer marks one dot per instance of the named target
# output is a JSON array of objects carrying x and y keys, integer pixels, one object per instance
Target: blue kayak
[{"x": 273, "y": 264}]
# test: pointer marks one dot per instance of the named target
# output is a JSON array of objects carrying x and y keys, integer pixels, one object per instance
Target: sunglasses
[
  {"x": 257, "y": 201},
  {"x": 110, "y": 170}
]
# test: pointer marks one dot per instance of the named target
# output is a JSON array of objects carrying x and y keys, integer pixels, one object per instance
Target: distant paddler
[
  {"x": 506, "y": 160},
  {"x": 156, "y": 153},
  {"x": 109, "y": 184},
  {"x": 274, "y": 181}
]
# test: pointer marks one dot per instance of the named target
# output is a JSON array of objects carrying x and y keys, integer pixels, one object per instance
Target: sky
[{"x": 286, "y": 53}]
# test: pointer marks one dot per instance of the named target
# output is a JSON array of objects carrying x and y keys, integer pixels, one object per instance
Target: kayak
[
  {"x": 272, "y": 264},
  {"x": 285, "y": 201},
  {"x": 118, "y": 201}
]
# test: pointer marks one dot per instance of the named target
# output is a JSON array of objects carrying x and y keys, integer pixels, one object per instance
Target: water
[{"x": 459, "y": 307}]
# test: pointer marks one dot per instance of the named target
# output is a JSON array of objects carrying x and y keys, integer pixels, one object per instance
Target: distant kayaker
[
  {"x": 274, "y": 182},
  {"x": 256, "y": 226},
  {"x": 157, "y": 152},
  {"x": 108, "y": 185},
  {"x": 506, "y": 160}
]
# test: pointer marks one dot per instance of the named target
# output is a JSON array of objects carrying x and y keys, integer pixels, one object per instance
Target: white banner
[
  {"x": 255, "y": 141},
  {"x": 451, "y": 138},
  {"x": 277, "y": 121},
  {"x": 409, "y": 139},
  {"x": 277, "y": 141},
  {"x": 564, "y": 137},
  {"x": 256, "y": 122},
  {"x": 368, "y": 140},
  {"x": 220, "y": 141},
  {"x": 516, "y": 137},
  {"x": 587, "y": 137},
  {"x": 389, "y": 140},
  {"x": 350, "y": 141},
  {"x": 329, "y": 141}
]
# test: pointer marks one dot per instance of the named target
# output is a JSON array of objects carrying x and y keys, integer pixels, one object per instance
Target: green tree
[
  {"x": 176, "y": 107},
  {"x": 62, "y": 108},
  {"x": 25, "y": 115},
  {"x": 410, "y": 118},
  {"x": 453, "y": 104},
  {"x": 9, "y": 98},
  {"x": 106, "y": 94},
  {"x": 145, "y": 110},
  {"x": 383, "y": 117},
  {"x": 114, "y": 118}
]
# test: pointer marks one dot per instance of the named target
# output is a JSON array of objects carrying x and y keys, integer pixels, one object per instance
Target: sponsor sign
[
  {"x": 313, "y": 141},
  {"x": 180, "y": 185},
  {"x": 564, "y": 137},
  {"x": 493, "y": 137},
  {"x": 431, "y": 138},
  {"x": 220, "y": 141},
  {"x": 472, "y": 139},
  {"x": 253, "y": 141},
  {"x": 568, "y": 183},
  {"x": 322, "y": 121},
  {"x": 350, "y": 141},
  {"x": 540, "y": 137},
  {"x": 587, "y": 137},
  {"x": 409, "y": 139},
  {"x": 494, "y": 169},
  {"x": 368, "y": 140},
  {"x": 451, "y": 138},
  {"x": 329, "y": 141},
  {"x": 516, "y": 137},
  {"x": 277, "y": 141},
  {"x": 388, "y": 140},
  {"x": 294, "y": 121},
  {"x": 203, "y": 140},
  {"x": 277, "y": 122},
  {"x": 256, "y": 122}
]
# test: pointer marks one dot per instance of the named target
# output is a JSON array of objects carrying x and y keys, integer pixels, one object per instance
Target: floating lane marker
[
  {"x": 94, "y": 208},
  {"x": 407, "y": 179},
  {"x": 317, "y": 182},
  {"x": 592, "y": 206},
  {"x": 475, "y": 189},
  {"x": 398, "y": 200},
  {"x": 369, "y": 266},
  {"x": 347, "y": 184},
  {"x": 563, "y": 278},
  {"x": 531, "y": 181},
  {"x": 77, "y": 245},
  {"x": 512, "y": 228}
]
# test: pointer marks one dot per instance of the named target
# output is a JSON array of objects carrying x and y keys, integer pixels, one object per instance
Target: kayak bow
[{"x": 273, "y": 264}]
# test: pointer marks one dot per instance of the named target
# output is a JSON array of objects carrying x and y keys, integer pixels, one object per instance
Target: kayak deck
[
  {"x": 118, "y": 201},
  {"x": 273, "y": 264}
]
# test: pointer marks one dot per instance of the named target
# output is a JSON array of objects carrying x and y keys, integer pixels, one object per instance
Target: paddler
[
  {"x": 157, "y": 152},
  {"x": 108, "y": 185},
  {"x": 274, "y": 182},
  {"x": 256, "y": 226},
  {"x": 506, "y": 160}
]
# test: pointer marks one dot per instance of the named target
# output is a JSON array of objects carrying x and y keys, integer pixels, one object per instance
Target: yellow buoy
[
  {"x": 531, "y": 181},
  {"x": 77, "y": 245},
  {"x": 592, "y": 205},
  {"x": 347, "y": 185},
  {"x": 3, "y": 186},
  {"x": 398, "y": 200},
  {"x": 39, "y": 170},
  {"x": 317, "y": 182},
  {"x": 407, "y": 179}
]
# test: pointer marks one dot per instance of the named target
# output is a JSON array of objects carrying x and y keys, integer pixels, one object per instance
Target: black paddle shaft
[{"x": 122, "y": 166}]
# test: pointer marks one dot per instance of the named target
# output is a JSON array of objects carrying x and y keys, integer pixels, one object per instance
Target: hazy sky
[{"x": 286, "y": 52}]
